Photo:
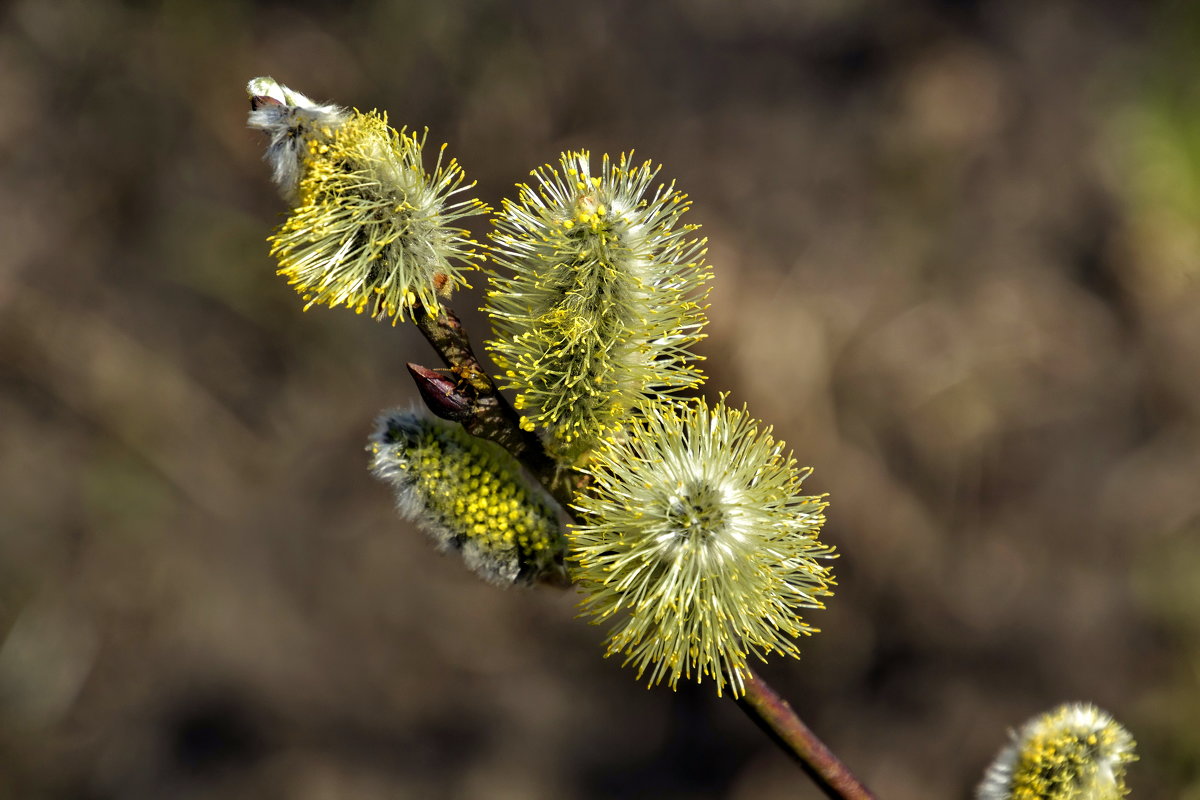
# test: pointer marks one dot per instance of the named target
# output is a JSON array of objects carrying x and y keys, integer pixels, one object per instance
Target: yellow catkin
[
  {"x": 1073, "y": 752},
  {"x": 469, "y": 495}
]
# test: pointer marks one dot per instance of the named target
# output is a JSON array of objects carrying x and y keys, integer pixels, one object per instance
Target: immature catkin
[
  {"x": 600, "y": 297},
  {"x": 369, "y": 228},
  {"x": 1074, "y": 752},
  {"x": 469, "y": 495}
]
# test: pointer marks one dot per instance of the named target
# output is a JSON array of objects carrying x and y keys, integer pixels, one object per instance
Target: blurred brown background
[{"x": 957, "y": 266}]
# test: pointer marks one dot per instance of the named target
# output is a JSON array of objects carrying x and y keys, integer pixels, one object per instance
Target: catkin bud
[
  {"x": 469, "y": 495},
  {"x": 1075, "y": 752},
  {"x": 292, "y": 121},
  {"x": 601, "y": 300},
  {"x": 369, "y": 228}
]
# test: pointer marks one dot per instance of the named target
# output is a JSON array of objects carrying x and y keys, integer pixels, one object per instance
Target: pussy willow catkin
[
  {"x": 695, "y": 543},
  {"x": 1073, "y": 752},
  {"x": 598, "y": 298},
  {"x": 369, "y": 228},
  {"x": 469, "y": 495}
]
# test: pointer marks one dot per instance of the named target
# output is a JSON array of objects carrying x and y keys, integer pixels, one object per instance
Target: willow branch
[
  {"x": 465, "y": 393},
  {"x": 775, "y": 716}
]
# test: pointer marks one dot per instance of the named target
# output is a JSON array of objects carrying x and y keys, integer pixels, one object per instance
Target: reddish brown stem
[
  {"x": 484, "y": 411},
  {"x": 468, "y": 395},
  {"x": 775, "y": 716}
]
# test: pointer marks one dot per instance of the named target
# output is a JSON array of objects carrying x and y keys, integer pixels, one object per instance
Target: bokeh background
[{"x": 957, "y": 267}]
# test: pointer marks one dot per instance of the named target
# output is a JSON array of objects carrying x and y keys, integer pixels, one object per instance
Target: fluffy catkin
[
  {"x": 369, "y": 228},
  {"x": 695, "y": 542},
  {"x": 598, "y": 298},
  {"x": 468, "y": 495},
  {"x": 1073, "y": 752}
]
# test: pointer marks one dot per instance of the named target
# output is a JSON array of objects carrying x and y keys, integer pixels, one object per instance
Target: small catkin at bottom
[{"x": 469, "y": 495}]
